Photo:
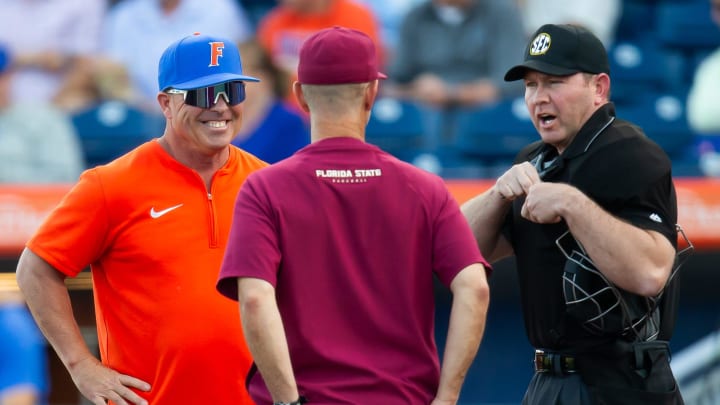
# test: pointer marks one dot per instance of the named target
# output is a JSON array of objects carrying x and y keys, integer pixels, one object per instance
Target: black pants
[
  {"x": 632, "y": 373},
  {"x": 623, "y": 375},
  {"x": 550, "y": 389}
]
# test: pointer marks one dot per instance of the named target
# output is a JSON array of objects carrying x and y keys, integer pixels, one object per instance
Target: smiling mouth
[{"x": 216, "y": 124}]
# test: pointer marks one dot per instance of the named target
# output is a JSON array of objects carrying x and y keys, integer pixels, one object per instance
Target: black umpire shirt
[{"x": 623, "y": 171}]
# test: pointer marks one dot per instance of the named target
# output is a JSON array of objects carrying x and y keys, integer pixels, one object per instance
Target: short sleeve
[
  {"x": 252, "y": 248},
  {"x": 454, "y": 246},
  {"x": 74, "y": 234},
  {"x": 636, "y": 187}
]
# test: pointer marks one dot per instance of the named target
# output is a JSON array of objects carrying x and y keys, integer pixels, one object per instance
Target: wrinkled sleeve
[
  {"x": 75, "y": 233},
  {"x": 454, "y": 246},
  {"x": 252, "y": 248}
]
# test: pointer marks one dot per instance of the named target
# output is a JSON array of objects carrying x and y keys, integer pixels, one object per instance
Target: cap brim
[
  {"x": 518, "y": 72},
  {"x": 213, "y": 80}
]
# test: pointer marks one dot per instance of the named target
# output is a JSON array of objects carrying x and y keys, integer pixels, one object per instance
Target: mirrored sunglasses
[{"x": 206, "y": 97}]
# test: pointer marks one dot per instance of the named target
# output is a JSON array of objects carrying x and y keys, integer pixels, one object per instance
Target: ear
[
  {"x": 602, "y": 87},
  {"x": 371, "y": 94},
  {"x": 298, "y": 92},
  {"x": 164, "y": 101}
]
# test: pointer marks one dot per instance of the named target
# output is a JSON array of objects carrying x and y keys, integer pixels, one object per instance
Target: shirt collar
[{"x": 601, "y": 119}]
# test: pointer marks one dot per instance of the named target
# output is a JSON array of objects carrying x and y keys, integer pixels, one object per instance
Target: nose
[{"x": 536, "y": 95}]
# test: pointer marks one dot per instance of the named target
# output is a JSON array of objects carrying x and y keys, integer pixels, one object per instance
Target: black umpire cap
[{"x": 562, "y": 50}]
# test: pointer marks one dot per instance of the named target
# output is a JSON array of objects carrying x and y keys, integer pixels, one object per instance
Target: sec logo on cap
[{"x": 540, "y": 44}]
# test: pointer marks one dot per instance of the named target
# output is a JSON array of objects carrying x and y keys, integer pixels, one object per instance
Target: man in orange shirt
[{"x": 153, "y": 225}]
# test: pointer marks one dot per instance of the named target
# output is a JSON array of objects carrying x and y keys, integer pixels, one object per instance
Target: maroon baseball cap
[{"x": 338, "y": 55}]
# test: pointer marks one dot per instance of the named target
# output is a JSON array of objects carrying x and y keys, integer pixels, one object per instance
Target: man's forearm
[
  {"x": 635, "y": 259},
  {"x": 465, "y": 331},
  {"x": 486, "y": 213},
  {"x": 265, "y": 337},
  {"x": 47, "y": 297}
]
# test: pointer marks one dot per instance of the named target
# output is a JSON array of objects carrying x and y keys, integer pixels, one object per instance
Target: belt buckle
[
  {"x": 540, "y": 357},
  {"x": 554, "y": 363}
]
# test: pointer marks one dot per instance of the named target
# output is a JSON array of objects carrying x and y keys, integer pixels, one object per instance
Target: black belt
[{"x": 554, "y": 363}]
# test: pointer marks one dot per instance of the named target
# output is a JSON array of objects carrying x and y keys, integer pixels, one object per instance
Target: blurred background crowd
[
  {"x": 78, "y": 78},
  {"x": 78, "y": 85}
]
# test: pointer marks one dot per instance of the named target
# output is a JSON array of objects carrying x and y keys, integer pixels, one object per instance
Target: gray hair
[{"x": 334, "y": 99}]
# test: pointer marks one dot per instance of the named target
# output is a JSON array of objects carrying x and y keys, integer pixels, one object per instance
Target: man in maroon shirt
[{"x": 333, "y": 251}]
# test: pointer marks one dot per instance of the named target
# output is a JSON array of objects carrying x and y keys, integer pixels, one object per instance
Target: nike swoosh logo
[{"x": 157, "y": 214}]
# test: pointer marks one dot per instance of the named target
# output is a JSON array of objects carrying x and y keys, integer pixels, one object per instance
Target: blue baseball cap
[{"x": 200, "y": 61}]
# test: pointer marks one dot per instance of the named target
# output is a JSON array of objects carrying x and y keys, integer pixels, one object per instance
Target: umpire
[{"x": 589, "y": 212}]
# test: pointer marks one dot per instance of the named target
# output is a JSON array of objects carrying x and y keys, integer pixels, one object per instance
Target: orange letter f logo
[{"x": 216, "y": 51}]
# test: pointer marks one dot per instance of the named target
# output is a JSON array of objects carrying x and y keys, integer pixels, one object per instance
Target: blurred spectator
[
  {"x": 285, "y": 28},
  {"x": 23, "y": 366},
  {"x": 455, "y": 52},
  {"x": 48, "y": 42},
  {"x": 389, "y": 14},
  {"x": 702, "y": 100},
  {"x": 256, "y": 9},
  {"x": 4, "y": 77},
  {"x": 138, "y": 31},
  {"x": 600, "y": 17},
  {"x": 98, "y": 79},
  {"x": 702, "y": 109},
  {"x": 38, "y": 143},
  {"x": 271, "y": 129}
]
